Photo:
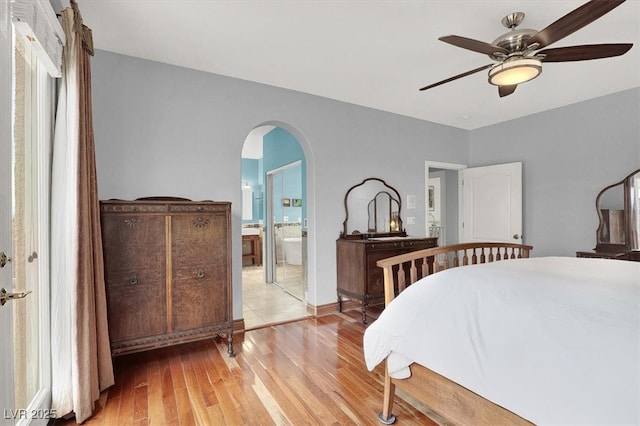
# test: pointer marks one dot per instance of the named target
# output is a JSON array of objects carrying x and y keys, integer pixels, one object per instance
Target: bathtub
[{"x": 293, "y": 250}]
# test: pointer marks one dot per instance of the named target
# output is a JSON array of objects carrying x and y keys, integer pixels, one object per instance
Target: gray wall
[
  {"x": 166, "y": 130},
  {"x": 569, "y": 154}
]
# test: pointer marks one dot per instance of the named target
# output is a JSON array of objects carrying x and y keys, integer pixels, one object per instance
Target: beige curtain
[{"x": 81, "y": 355}]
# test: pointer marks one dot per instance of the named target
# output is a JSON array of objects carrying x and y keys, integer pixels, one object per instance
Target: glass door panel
[{"x": 285, "y": 240}]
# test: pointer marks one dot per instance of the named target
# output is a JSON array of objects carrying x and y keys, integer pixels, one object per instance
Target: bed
[{"x": 509, "y": 339}]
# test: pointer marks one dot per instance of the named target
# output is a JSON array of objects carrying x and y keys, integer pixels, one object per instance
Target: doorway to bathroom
[{"x": 274, "y": 282}]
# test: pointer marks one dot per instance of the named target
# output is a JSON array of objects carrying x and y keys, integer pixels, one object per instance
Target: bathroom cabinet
[{"x": 167, "y": 272}]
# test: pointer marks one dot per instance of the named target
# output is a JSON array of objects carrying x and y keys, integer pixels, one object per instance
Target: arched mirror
[
  {"x": 618, "y": 208},
  {"x": 372, "y": 210}
]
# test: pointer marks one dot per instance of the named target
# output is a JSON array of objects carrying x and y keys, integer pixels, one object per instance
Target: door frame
[{"x": 428, "y": 164}]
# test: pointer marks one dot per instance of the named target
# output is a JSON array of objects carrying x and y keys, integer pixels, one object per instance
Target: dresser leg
[
  {"x": 364, "y": 312},
  {"x": 230, "y": 345},
  {"x": 339, "y": 303}
]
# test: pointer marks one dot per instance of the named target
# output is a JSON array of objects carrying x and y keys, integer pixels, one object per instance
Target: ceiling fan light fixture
[{"x": 515, "y": 71}]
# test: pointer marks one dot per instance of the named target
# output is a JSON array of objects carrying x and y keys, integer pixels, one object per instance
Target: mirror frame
[
  {"x": 400, "y": 232},
  {"x": 630, "y": 233}
]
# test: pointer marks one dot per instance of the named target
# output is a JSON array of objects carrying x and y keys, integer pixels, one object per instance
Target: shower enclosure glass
[{"x": 284, "y": 235}]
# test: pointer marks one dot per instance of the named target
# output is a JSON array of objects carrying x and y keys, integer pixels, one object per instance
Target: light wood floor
[{"x": 308, "y": 372}]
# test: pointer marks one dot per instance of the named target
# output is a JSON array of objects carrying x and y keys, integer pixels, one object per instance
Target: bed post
[{"x": 386, "y": 417}]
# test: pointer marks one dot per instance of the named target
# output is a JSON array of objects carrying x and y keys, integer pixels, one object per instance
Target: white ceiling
[{"x": 371, "y": 53}]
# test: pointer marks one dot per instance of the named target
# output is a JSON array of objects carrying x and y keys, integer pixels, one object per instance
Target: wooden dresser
[
  {"x": 167, "y": 272},
  {"x": 359, "y": 278}
]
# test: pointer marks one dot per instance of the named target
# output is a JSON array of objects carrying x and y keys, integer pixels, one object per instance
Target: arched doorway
[{"x": 274, "y": 207}]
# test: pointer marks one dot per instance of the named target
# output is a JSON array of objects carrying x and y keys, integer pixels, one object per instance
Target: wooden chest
[{"x": 167, "y": 272}]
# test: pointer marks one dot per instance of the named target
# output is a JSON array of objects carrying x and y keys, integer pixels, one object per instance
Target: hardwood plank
[
  {"x": 140, "y": 403},
  {"x": 125, "y": 378},
  {"x": 111, "y": 411},
  {"x": 308, "y": 372},
  {"x": 215, "y": 415},
  {"x": 155, "y": 408},
  {"x": 185, "y": 413},
  {"x": 318, "y": 411},
  {"x": 168, "y": 396},
  {"x": 207, "y": 375},
  {"x": 194, "y": 391}
]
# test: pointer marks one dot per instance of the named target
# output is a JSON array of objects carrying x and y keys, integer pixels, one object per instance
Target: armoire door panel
[
  {"x": 198, "y": 239},
  {"x": 132, "y": 239},
  {"x": 136, "y": 303},
  {"x": 206, "y": 286}
]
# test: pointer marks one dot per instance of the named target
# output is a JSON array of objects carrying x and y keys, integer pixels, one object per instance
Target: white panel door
[
  {"x": 25, "y": 367},
  {"x": 492, "y": 203},
  {"x": 7, "y": 403}
]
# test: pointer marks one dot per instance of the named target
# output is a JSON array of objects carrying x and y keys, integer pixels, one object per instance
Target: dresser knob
[
  {"x": 133, "y": 280},
  {"x": 200, "y": 273}
]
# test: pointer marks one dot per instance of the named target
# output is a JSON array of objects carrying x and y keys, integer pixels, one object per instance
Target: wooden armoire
[{"x": 167, "y": 272}]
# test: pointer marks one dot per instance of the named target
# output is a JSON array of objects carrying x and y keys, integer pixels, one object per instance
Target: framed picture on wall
[
  {"x": 296, "y": 202},
  {"x": 286, "y": 202},
  {"x": 432, "y": 201}
]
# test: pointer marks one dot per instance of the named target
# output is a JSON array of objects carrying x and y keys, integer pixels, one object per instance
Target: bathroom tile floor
[{"x": 265, "y": 303}]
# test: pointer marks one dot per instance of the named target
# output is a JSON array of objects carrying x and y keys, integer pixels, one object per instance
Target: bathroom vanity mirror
[{"x": 372, "y": 209}]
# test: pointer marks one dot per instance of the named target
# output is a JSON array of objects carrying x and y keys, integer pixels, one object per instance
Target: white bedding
[{"x": 555, "y": 340}]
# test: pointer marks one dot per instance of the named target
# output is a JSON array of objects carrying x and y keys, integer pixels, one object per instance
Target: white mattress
[{"x": 555, "y": 340}]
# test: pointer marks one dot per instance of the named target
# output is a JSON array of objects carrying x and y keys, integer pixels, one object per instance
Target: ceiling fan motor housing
[{"x": 515, "y": 42}]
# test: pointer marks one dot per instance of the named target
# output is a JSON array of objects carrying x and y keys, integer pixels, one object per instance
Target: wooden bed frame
[{"x": 445, "y": 397}]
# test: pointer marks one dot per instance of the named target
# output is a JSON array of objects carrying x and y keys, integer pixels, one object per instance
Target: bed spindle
[
  {"x": 402, "y": 284},
  {"x": 413, "y": 271},
  {"x": 425, "y": 266},
  {"x": 440, "y": 258}
]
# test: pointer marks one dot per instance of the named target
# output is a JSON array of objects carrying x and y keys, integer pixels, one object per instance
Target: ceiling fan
[{"x": 516, "y": 52}]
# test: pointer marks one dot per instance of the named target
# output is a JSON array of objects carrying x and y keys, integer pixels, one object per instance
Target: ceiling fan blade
[
  {"x": 573, "y": 21},
  {"x": 506, "y": 90},
  {"x": 464, "y": 74},
  {"x": 475, "y": 45},
  {"x": 584, "y": 52}
]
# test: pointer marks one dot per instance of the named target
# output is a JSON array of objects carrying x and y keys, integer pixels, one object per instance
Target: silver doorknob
[
  {"x": 5, "y": 296},
  {"x": 4, "y": 259}
]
